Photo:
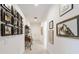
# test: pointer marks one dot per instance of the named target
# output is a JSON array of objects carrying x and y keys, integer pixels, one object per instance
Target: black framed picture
[
  {"x": 6, "y": 30},
  {"x": 15, "y": 21},
  {"x": 1, "y": 15},
  {"x": 20, "y": 30},
  {"x": 20, "y": 21},
  {"x": 18, "y": 15},
  {"x": 14, "y": 11},
  {"x": 10, "y": 21},
  {"x": 66, "y": 28},
  {"x": 7, "y": 7},
  {"x": 8, "y": 17},
  {"x": 64, "y": 8},
  {"x": 51, "y": 25},
  {"x": 14, "y": 30}
]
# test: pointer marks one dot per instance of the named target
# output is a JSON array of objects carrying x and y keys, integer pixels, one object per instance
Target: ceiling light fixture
[{"x": 36, "y": 5}]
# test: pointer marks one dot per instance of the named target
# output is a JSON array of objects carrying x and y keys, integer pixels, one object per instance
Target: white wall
[
  {"x": 36, "y": 31},
  {"x": 61, "y": 44},
  {"x": 15, "y": 43}
]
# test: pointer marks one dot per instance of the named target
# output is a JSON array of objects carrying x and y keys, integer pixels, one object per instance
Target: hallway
[
  {"x": 37, "y": 48},
  {"x": 54, "y": 28}
]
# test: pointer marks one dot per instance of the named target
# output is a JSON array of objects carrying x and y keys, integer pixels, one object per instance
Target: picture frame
[
  {"x": 14, "y": 11},
  {"x": 7, "y": 7},
  {"x": 15, "y": 21},
  {"x": 1, "y": 15},
  {"x": 20, "y": 31},
  {"x": 65, "y": 8},
  {"x": 14, "y": 30},
  {"x": 20, "y": 22},
  {"x": 51, "y": 24},
  {"x": 6, "y": 30},
  {"x": 66, "y": 27},
  {"x": 8, "y": 17},
  {"x": 10, "y": 21}
]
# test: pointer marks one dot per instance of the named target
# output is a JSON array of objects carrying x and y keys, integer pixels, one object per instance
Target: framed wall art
[
  {"x": 20, "y": 23},
  {"x": 20, "y": 31},
  {"x": 14, "y": 21},
  {"x": 7, "y": 7},
  {"x": 6, "y": 30},
  {"x": 68, "y": 28},
  {"x": 8, "y": 17},
  {"x": 14, "y": 30},
  {"x": 51, "y": 25},
  {"x": 1, "y": 15},
  {"x": 64, "y": 8},
  {"x": 10, "y": 21}
]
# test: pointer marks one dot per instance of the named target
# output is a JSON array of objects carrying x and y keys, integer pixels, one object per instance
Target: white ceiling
[{"x": 30, "y": 11}]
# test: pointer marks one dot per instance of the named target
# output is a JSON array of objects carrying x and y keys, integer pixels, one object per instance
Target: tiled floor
[{"x": 37, "y": 48}]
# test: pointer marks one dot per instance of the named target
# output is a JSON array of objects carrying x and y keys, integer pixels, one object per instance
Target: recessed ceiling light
[{"x": 35, "y": 4}]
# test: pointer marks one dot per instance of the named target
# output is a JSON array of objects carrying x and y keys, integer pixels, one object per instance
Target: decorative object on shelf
[
  {"x": 66, "y": 28},
  {"x": 51, "y": 24},
  {"x": 51, "y": 36},
  {"x": 64, "y": 8}
]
